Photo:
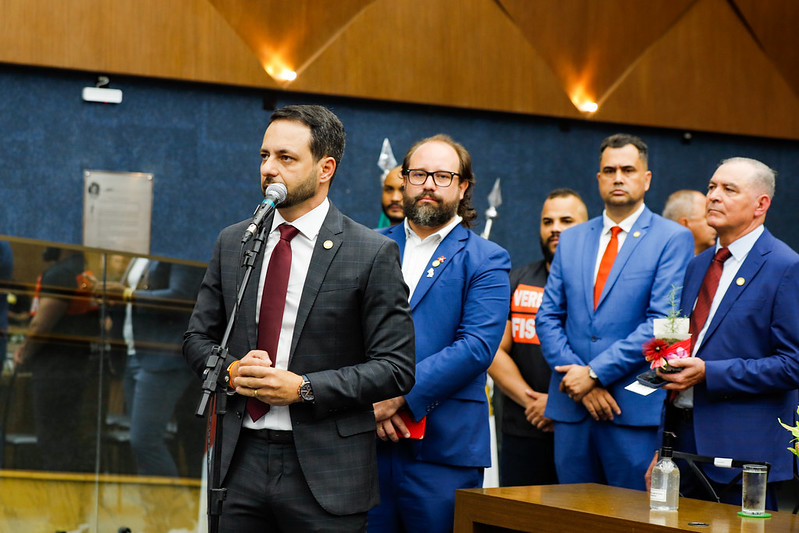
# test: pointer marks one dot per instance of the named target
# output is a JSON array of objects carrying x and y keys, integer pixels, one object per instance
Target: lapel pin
[
  {"x": 438, "y": 261},
  {"x": 328, "y": 245},
  {"x": 637, "y": 234},
  {"x": 740, "y": 281},
  {"x": 430, "y": 273}
]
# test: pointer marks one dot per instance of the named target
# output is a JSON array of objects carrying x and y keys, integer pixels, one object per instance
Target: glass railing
[{"x": 97, "y": 424}]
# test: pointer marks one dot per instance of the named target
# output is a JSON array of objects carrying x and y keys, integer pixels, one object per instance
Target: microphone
[{"x": 275, "y": 194}]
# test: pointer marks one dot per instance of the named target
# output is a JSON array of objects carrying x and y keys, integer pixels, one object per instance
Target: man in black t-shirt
[
  {"x": 519, "y": 369},
  {"x": 64, "y": 369}
]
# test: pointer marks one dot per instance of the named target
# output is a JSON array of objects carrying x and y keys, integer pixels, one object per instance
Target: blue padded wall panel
[{"x": 201, "y": 142}]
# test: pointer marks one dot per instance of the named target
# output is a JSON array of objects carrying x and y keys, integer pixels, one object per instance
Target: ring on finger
[{"x": 255, "y": 393}]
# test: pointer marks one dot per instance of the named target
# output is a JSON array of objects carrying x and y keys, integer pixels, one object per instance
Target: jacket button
[{"x": 594, "y": 339}]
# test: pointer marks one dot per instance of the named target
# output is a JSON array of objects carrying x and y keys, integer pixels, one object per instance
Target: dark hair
[
  {"x": 563, "y": 192},
  {"x": 623, "y": 139},
  {"x": 465, "y": 172},
  {"x": 327, "y": 132}
]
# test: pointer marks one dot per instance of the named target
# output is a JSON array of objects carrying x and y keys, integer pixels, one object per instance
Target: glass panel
[{"x": 96, "y": 401}]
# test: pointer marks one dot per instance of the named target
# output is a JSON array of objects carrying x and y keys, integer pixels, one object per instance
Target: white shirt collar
[
  {"x": 440, "y": 235},
  {"x": 741, "y": 247},
  {"x": 308, "y": 224},
  {"x": 626, "y": 225}
]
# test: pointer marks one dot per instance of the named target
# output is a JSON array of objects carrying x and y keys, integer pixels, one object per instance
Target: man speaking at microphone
[{"x": 324, "y": 333}]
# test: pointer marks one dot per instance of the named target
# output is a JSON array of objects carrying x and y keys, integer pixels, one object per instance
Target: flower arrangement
[
  {"x": 794, "y": 449},
  {"x": 671, "y": 337}
]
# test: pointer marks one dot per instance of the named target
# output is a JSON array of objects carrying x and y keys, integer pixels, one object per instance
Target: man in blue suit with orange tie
[
  {"x": 596, "y": 314},
  {"x": 459, "y": 297},
  {"x": 745, "y": 366}
]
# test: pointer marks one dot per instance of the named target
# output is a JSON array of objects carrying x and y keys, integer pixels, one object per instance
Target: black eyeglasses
[{"x": 442, "y": 178}]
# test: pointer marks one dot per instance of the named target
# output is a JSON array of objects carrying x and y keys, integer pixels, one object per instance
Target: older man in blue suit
[
  {"x": 745, "y": 368},
  {"x": 459, "y": 296},
  {"x": 596, "y": 314}
]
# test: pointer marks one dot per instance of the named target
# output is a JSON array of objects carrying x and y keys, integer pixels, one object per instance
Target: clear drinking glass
[{"x": 754, "y": 489}]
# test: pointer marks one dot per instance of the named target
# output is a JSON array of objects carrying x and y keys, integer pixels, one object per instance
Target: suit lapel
[
  {"x": 249, "y": 301},
  {"x": 327, "y": 245},
  {"x": 691, "y": 289},
  {"x": 751, "y": 266},
  {"x": 591, "y": 247},
  {"x": 397, "y": 233},
  {"x": 447, "y": 249}
]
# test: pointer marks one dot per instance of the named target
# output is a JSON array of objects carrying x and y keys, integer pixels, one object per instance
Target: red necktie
[
  {"x": 273, "y": 300},
  {"x": 607, "y": 263},
  {"x": 706, "y": 293}
]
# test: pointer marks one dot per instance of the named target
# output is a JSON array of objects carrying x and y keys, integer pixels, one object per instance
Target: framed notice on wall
[{"x": 117, "y": 210}]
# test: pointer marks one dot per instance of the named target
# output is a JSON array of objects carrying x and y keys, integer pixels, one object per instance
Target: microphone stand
[{"x": 214, "y": 366}]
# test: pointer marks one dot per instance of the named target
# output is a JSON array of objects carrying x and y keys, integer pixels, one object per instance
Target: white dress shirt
[
  {"x": 136, "y": 270},
  {"x": 418, "y": 252},
  {"x": 301, "y": 252}
]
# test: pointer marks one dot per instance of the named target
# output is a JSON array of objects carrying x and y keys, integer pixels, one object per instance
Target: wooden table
[{"x": 598, "y": 509}]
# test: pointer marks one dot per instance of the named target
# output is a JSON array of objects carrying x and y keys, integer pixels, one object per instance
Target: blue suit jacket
[
  {"x": 652, "y": 260},
  {"x": 751, "y": 354},
  {"x": 459, "y": 315}
]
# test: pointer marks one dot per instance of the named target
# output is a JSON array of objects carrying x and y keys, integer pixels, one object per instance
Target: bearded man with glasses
[{"x": 459, "y": 297}]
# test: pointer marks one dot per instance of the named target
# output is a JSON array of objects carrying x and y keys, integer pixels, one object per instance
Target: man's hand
[
  {"x": 600, "y": 404},
  {"x": 112, "y": 291},
  {"x": 535, "y": 410},
  {"x": 389, "y": 424},
  {"x": 692, "y": 373},
  {"x": 20, "y": 355},
  {"x": 576, "y": 382},
  {"x": 256, "y": 378},
  {"x": 648, "y": 476}
]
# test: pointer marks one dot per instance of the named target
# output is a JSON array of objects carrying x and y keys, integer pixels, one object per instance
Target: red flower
[
  {"x": 660, "y": 352},
  {"x": 654, "y": 350}
]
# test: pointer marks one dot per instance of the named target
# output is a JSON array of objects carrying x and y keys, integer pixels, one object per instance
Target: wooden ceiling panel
[
  {"x": 285, "y": 35},
  {"x": 705, "y": 74},
  {"x": 590, "y": 44},
  {"x": 417, "y": 51},
  {"x": 180, "y": 39},
  {"x": 776, "y": 31},
  {"x": 720, "y": 65}
]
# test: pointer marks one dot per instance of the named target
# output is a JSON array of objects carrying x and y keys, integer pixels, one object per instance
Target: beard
[
  {"x": 392, "y": 218},
  {"x": 429, "y": 215},
  {"x": 549, "y": 255},
  {"x": 301, "y": 192}
]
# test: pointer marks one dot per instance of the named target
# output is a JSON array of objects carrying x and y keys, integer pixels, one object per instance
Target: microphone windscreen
[{"x": 276, "y": 191}]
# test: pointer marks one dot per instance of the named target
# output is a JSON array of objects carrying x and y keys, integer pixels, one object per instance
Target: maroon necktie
[
  {"x": 606, "y": 263},
  {"x": 273, "y": 300},
  {"x": 706, "y": 293}
]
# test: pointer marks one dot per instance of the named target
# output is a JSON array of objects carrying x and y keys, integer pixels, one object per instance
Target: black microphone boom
[{"x": 275, "y": 194}]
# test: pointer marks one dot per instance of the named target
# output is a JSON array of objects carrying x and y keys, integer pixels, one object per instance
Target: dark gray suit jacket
[{"x": 353, "y": 338}]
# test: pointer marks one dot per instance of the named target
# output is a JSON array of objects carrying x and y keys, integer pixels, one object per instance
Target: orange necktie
[{"x": 607, "y": 263}]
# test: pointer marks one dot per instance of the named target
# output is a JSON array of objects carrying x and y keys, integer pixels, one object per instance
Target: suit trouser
[
  {"x": 593, "y": 451},
  {"x": 267, "y": 492},
  {"x": 416, "y": 495},
  {"x": 151, "y": 397}
]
